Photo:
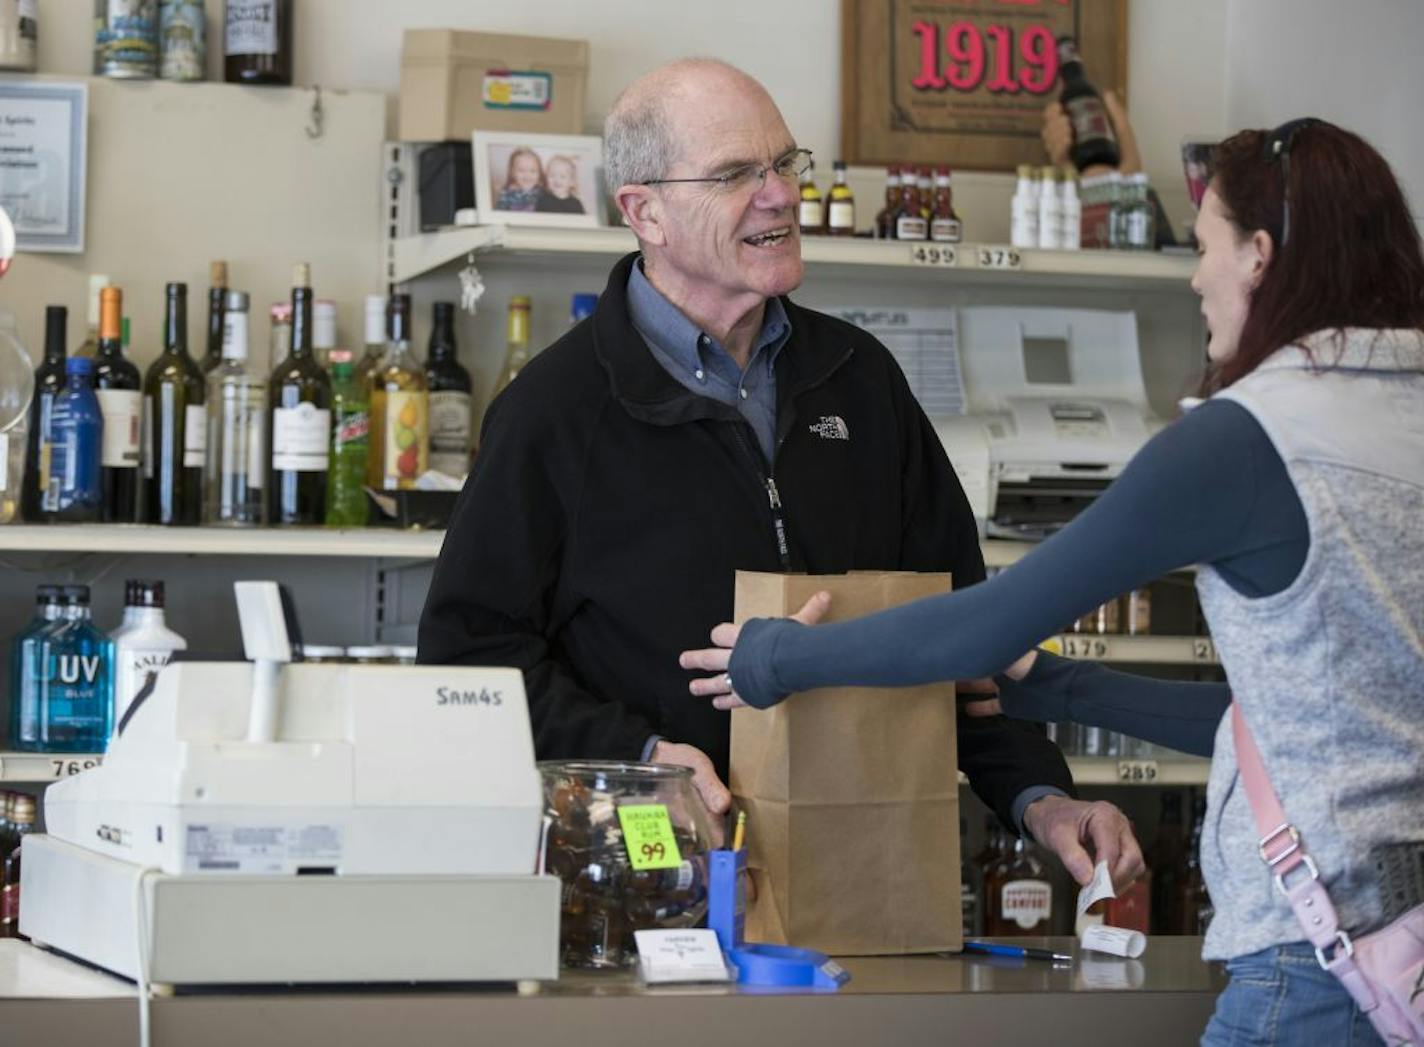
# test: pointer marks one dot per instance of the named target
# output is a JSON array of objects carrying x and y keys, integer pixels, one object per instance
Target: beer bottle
[{"x": 1093, "y": 139}]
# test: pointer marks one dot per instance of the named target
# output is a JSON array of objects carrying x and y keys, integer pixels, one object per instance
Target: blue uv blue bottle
[
  {"x": 76, "y": 434},
  {"x": 74, "y": 710},
  {"x": 24, "y": 658}
]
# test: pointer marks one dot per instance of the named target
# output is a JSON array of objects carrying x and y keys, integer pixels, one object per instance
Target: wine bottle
[
  {"x": 449, "y": 396},
  {"x": 119, "y": 391},
  {"x": 217, "y": 294},
  {"x": 299, "y": 426},
  {"x": 176, "y": 423},
  {"x": 49, "y": 380},
  {"x": 400, "y": 410}
]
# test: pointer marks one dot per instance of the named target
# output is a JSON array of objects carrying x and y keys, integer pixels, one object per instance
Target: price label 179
[
  {"x": 942, "y": 255},
  {"x": 1136, "y": 772},
  {"x": 1086, "y": 647},
  {"x": 998, "y": 257}
]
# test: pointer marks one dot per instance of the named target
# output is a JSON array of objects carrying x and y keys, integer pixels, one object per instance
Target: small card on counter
[{"x": 692, "y": 955}]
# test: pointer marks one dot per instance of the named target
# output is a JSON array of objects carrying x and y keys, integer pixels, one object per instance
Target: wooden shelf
[
  {"x": 414, "y": 256},
  {"x": 221, "y": 541}
]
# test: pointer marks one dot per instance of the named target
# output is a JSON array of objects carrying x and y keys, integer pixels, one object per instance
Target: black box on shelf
[{"x": 447, "y": 182}]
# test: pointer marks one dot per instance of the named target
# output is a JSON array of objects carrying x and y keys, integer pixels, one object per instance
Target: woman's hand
[
  {"x": 716, "y": 659},
  {"x": 989, "y": 706}
]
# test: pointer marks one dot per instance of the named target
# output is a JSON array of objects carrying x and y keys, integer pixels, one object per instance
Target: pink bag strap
[{"x": 1283, "y": 851}]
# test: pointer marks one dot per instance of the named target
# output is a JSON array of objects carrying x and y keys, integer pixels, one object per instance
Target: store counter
[{"x": 1162, "y": 999}]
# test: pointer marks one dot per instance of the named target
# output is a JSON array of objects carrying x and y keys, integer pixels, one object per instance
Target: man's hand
[
  {"x": 714, "y": 795},
  {"x": 1057, "y": 134},
  {"x": 1083, "y": 834},
  {"x": 716, "y": 659}
]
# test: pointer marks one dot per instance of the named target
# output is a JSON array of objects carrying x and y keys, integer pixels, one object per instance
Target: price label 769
[{"x": 67, "y": 768}]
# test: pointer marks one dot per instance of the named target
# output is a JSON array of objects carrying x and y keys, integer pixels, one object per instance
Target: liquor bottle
[
  {"x": 22, "y": 823},
  {"x": 1117, "y": 211},
  {"x": 346, "y": 504},
  {"x": 90, "y": 345},
  {"x": 1093, "y": 139},
  {"x": 400, "y": 410},
  {"x": 235, "y": 471},
  {"x": 145, "y": 648},
  {"x": 1132, "y": 907},
  {"x": 910, "y": 224},
  {"x": 375, "y": 350},
  {"x": 811, "y": 215},
  {"x": 968, "y": 887},
  {"x": 183, "y": 40},
  {"x": 257, "y": 42},
  {"x": 126, "y": 623},
  {"x": 925, "y": 184},
  {"x": 1050, "y": 210},
  {"x": 217, "y": 296},
  {"x": 279, "y": 345},
  {"x": 885, "y": 217},
  {"x": 75, "y": 494},
  {"x": 17, "y": 385},
  {"x": 299, "y": 432},
  {"x": 1018, "y": 894},
  {"x": 450, "y": 400},
  {"x": 1194, "y": 909},
  {"x": 1024, "y": 208},
  {"x": 49, "y": 380},
  {"x": 23, "y": 652},
  {"x": 1167, "y": 858},
  {"x": 840, "y": 204},
  {"x": 582, "y": 306},
  {"x": 323, "y": 330},
  {"x": 1071, "y": 217},
  {"x": 516, "y": 353},
  {"x": 117, "y": 387},
  {"x": 72, "y": 709},
  {"x": 945, "y": 227},
  {"x": 176, "y": 422}
]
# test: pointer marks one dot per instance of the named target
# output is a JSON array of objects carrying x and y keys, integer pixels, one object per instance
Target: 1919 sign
[{"x": 964, "y": 82}]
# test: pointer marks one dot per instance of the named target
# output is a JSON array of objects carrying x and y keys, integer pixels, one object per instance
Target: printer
[
  {"x": 267, "y": 822},
  {"x": 1055, "y": 407}
]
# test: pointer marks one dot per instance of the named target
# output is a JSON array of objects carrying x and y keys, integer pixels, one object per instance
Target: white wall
[{"x": 1355, "y": 64}]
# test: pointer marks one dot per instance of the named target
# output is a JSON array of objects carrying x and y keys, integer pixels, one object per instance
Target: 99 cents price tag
[{"x": 647, "y": 833}]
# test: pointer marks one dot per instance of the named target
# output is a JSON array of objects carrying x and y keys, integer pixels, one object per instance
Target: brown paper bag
[{"x": 851, "y": 794}]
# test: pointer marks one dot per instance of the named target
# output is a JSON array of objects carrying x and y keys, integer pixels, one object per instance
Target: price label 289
[
  {"x": 66, "y": 768},
  {"x": 1203, "y": 650},
  {"x": 942, "y": 255},
  {"x": 1136, "y": 772},
  {"x": 992, "y": 257}
]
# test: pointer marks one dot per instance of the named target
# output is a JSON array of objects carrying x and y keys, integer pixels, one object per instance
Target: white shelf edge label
[
  {"x": 1203, "y": 650},
  {"x": 942, "y": 255},
  {"x": 1098, "y": 647},
  {"x": 997, "y": 256},
  {"x": 1137, "y": 772}
]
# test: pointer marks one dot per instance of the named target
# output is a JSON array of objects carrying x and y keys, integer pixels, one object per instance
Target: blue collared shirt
[{"x": 700, "y": 364}]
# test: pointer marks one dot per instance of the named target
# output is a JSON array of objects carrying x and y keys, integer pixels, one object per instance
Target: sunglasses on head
[{"x": 1277, "y": 149}]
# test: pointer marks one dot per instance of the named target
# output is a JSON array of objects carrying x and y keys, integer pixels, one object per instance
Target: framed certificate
[{"x": 43, "y": 138}]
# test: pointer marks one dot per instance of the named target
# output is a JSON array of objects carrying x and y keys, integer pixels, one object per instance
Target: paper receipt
[{"x": 1101, "y": 887}]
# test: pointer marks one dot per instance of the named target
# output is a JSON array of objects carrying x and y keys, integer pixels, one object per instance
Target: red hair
[{"x": 1352, "y": 256}]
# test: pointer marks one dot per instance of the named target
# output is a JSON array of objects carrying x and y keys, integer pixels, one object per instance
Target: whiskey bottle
[
  {"x": 945, "y": 227},
  {"x": 811, "y": 215},
  {"x": 840, "y": 209},
  {"x": 450, "y": 401},
  {"x": 1018, "y": 895}
]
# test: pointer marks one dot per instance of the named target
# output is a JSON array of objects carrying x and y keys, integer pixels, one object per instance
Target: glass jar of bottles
[{"x": 605, "y": 899}]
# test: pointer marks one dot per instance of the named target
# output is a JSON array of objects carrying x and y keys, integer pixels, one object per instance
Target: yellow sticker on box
[{"x": 647, "y": 833}]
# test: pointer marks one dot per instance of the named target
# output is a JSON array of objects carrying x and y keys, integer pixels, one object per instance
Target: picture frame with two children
[{"x": 538, "y": 179}]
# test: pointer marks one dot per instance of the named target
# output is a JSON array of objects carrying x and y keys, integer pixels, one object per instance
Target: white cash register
[
  {"x": 1056, "y": 406},
  {"x": 267, "y": 822}
]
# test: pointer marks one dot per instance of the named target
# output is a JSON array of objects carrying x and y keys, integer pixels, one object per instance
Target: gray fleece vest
[{"x": 1329, "y": 673}]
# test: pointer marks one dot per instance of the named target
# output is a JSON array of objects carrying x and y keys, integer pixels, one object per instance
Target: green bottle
[{"x": 346, "y": 504}]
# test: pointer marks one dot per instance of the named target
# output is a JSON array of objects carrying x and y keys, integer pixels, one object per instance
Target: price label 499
[{"x": 942, "y": 255}]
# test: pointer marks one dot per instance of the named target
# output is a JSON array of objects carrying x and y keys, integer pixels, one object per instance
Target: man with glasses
[{"x": 700, "y": 423}]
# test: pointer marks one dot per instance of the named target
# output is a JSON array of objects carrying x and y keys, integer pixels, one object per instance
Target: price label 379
[{"x": 998, "y": 257}]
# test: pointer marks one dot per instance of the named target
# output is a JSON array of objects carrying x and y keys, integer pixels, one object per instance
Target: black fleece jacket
[{"x": 599, "y": 531}]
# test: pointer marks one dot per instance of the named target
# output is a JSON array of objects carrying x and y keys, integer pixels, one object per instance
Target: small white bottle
[
  {"x": 145, "y": 648},
  {"x": 130, "y": 618},
  {"x": 1071, "y": 219},
  {"x": 1050, "y": 211},
  {"x": 1024, "y": 210}
]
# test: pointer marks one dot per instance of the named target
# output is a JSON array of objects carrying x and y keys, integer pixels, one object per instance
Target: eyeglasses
[
  {"x": 793, "y": 165},
  {"x": 1278, "y": 147}
]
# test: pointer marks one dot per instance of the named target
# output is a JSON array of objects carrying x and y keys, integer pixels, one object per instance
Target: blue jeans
[{"x": 1280, "y": 997}]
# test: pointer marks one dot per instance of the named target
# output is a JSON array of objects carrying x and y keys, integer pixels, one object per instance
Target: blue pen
[{"x": 1020, "y": 952}]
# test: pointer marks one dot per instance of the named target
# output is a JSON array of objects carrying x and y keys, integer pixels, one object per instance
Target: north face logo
[{"x": 831, "y": 427}]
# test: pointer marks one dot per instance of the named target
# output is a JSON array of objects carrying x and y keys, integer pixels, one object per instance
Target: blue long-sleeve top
[{"x": 1208, "y": 489}]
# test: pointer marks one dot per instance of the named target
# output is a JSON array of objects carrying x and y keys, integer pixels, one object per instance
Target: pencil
[{"x": 739, "y": 834}]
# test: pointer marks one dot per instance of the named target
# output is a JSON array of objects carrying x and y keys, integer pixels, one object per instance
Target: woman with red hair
[{"x": 1297, "y": 486}]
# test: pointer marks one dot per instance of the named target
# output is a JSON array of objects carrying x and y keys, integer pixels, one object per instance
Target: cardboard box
[
  {"x": 454, "y": 82},
  {"x": 852, "y": 794}
]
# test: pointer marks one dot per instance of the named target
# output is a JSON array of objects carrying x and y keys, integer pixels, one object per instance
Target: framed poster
[
  {"x": 43, "y": 130},
  {"x": 964, "y": 82}
]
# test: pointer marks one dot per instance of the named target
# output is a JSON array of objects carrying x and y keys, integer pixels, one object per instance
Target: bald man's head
[{"x": 643, "y": 134}]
